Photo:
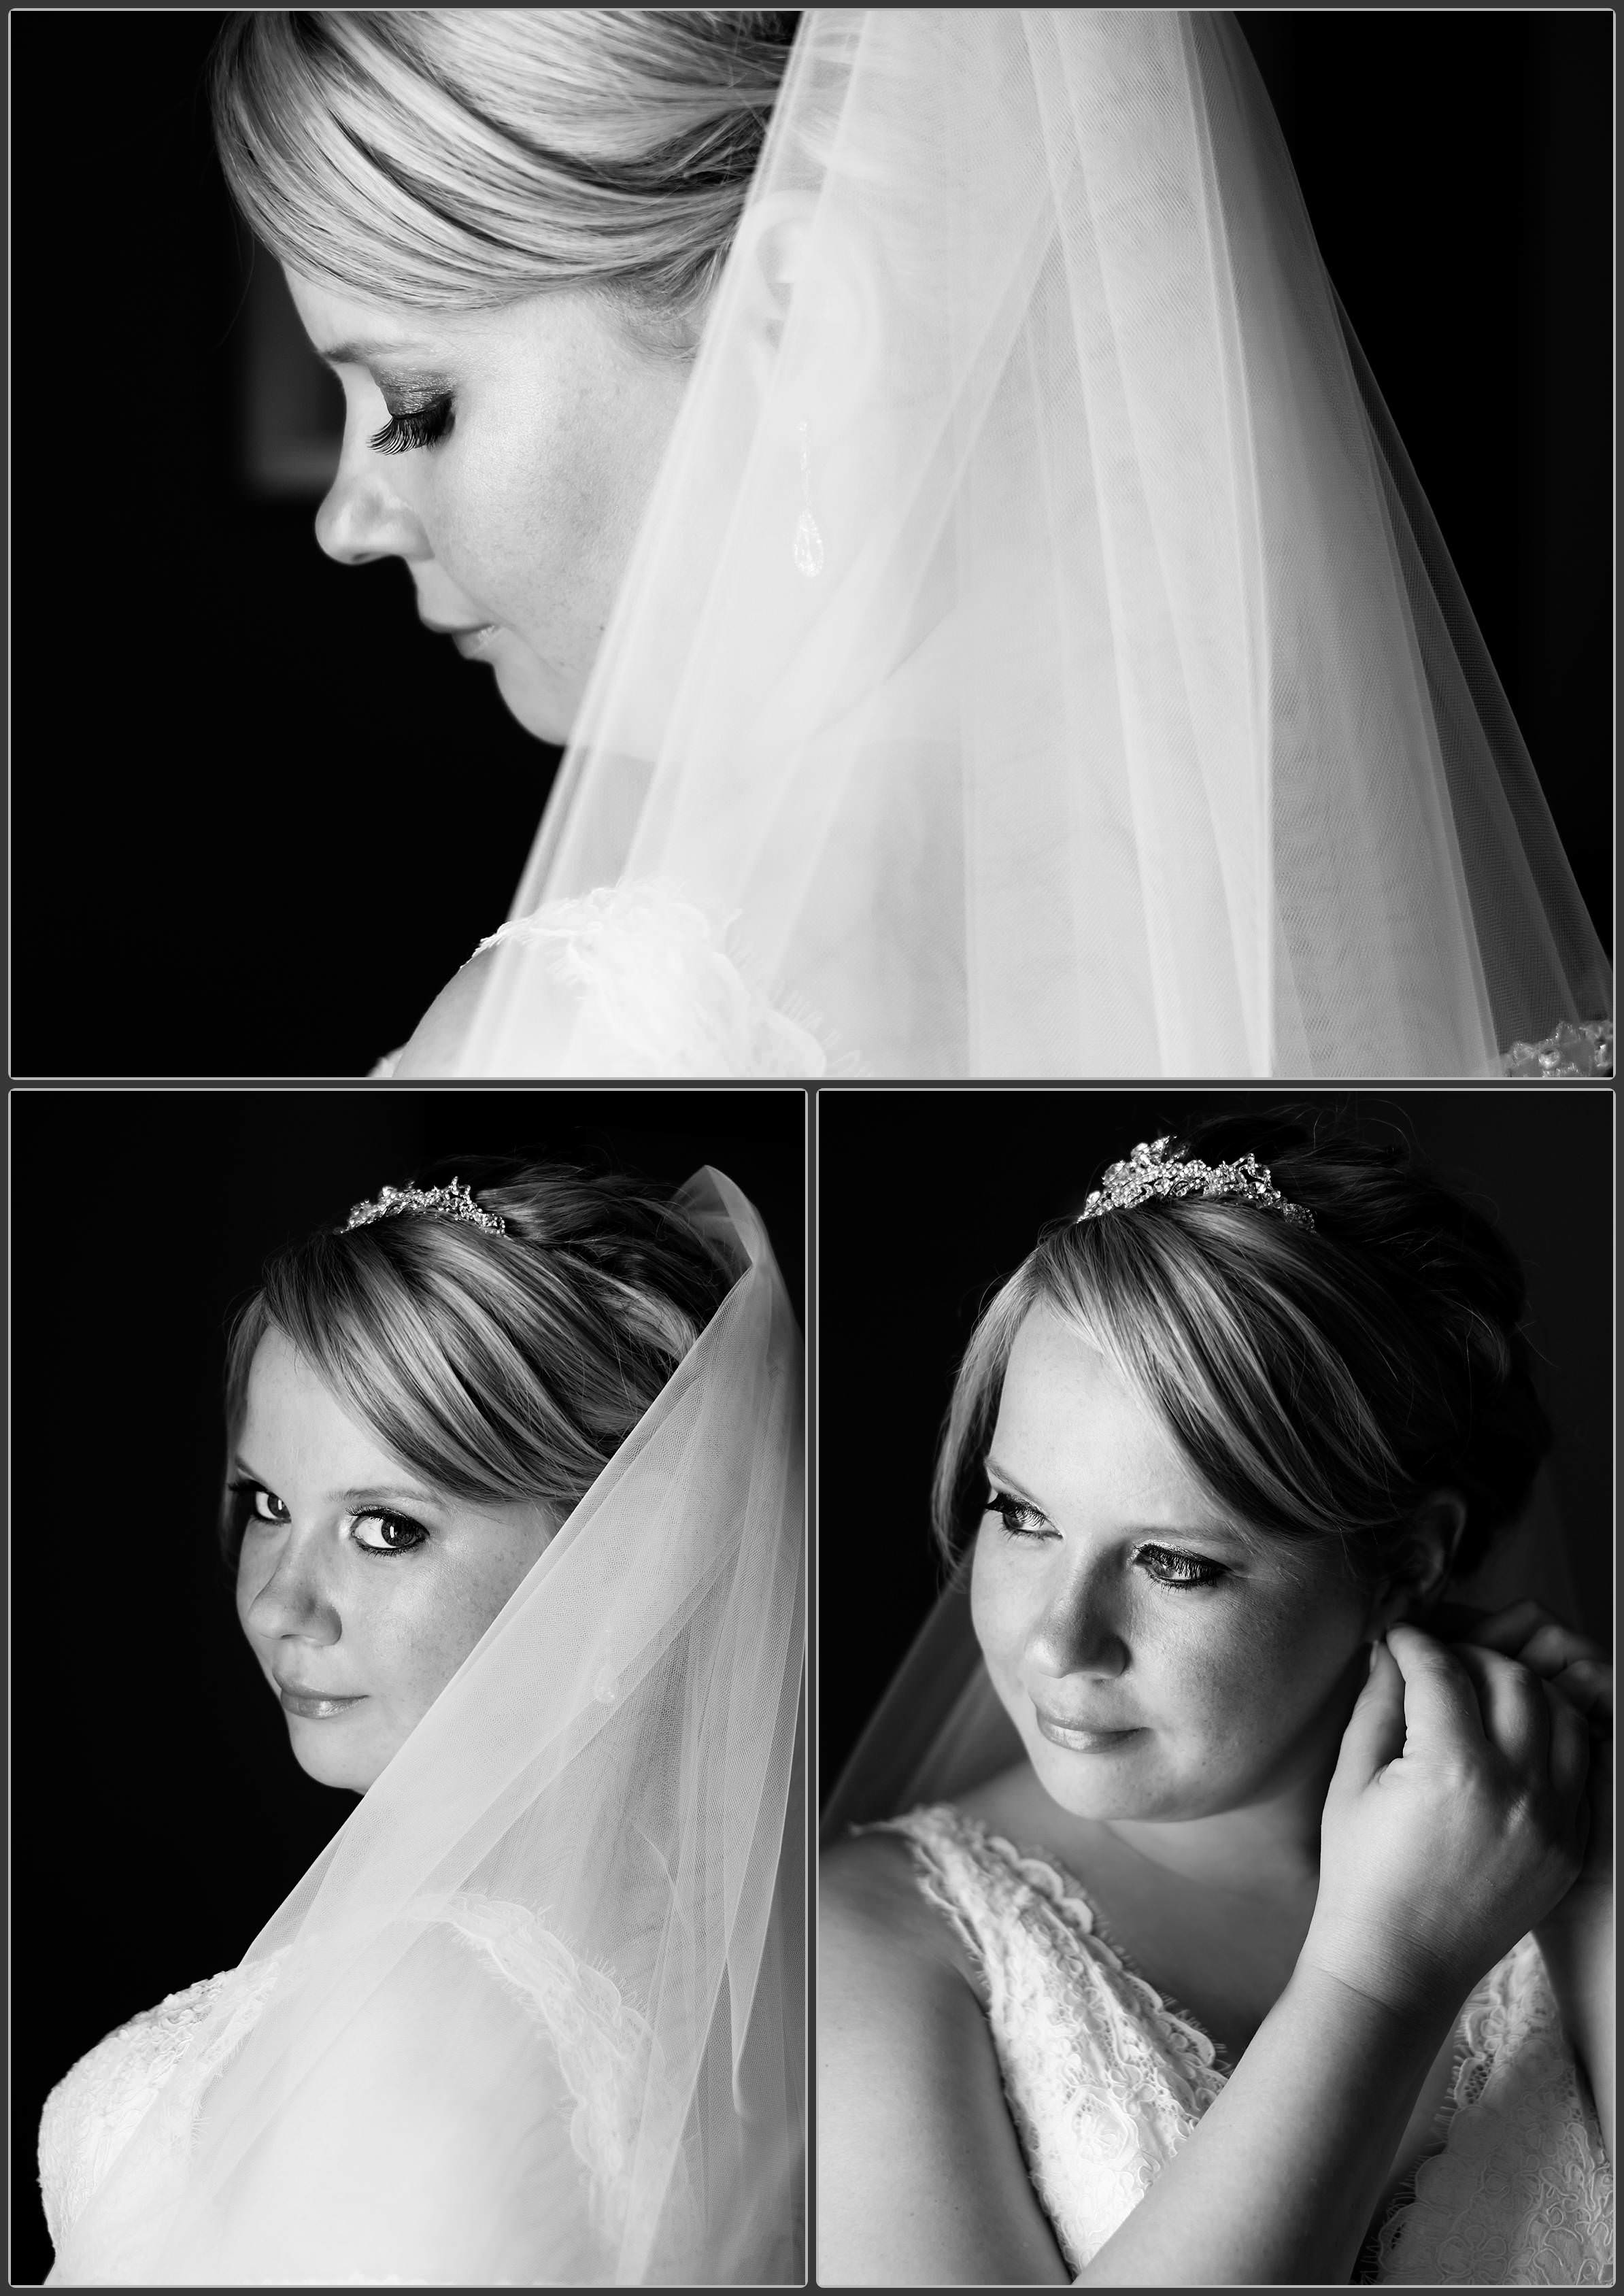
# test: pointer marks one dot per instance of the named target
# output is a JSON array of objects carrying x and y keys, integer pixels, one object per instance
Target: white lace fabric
[
  {"x": 163, "y": 2061},
  {"x": 638, "y": 981},
  {"x": 1105, "y": 2078},
  {"x": 164, "y": 2054}
]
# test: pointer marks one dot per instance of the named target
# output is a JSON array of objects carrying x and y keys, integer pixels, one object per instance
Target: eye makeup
[
  {"x": 414, "y": 427},
  {"x": 1168, "y": 1566},
  {"x": 416, "y": 1535},
  {"x": 247, "y": 1494}
]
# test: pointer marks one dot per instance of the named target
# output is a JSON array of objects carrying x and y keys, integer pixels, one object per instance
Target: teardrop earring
[{"x": 808, "y": 541}]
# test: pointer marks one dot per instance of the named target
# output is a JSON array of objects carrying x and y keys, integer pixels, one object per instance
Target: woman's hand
[
  {"x": 1581, "y": 1672},
  {"x": 1454, "y": 1822},
  {"x": 1575, "y": 1937}
]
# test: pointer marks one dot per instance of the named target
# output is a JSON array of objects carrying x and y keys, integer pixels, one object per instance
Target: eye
[
  {"x": 398, "y": 1533},
  {"x": 1169, "y": 1568},
  {"x": 258, "y": 1505},
  {"x": 1018, "y": 1520},
  {"x": 418, "y": 426}
]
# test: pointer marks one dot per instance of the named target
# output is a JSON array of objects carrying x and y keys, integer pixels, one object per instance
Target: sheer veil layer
[
  {"x": 534, "y": 2014},
  {"x": 1134, "y": 723}
]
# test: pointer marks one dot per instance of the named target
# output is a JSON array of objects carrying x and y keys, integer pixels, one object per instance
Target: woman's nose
[
  {"x": 293, "y": 1600},
  {"x": 1079, "y": 1629},
  {"x": 362, "y": 517}
]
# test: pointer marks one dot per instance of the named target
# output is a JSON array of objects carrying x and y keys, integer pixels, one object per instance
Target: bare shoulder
[
  {"x": 921, "y": 2178},
  {"x": 433, "y": 1048},
  {"x": 883, "y": 1950},
  {"x": 869, "y": 1899}
]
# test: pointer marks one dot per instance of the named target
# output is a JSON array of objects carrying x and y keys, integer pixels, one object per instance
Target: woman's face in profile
[
  {"x": 1159, "y": 1661},
  {"x": 361, "y": 1591},
  {"x": 539, "y": 428}
]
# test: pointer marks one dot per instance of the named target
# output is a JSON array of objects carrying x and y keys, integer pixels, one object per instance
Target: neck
[{"x": 1266, "y": 1849}]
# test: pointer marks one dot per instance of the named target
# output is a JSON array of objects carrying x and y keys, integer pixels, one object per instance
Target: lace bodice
[
  {"x": 653, "y": 985},
  {"x": 165, "y": 2056},
  {"x": 160, "y": 2064},
  {"x": 1105, "y": 2078}
]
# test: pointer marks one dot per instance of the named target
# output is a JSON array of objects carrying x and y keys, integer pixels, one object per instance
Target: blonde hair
[
  {"x": 499, "y": 1367},
  {"x": 1321, "y": 1383},
  {"x": 459, "y": 160}
]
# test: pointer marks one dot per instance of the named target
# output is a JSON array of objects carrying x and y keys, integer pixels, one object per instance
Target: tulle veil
[
  {"x": 536, "y": 2014},
  {"x": 1038, "y": 657}
]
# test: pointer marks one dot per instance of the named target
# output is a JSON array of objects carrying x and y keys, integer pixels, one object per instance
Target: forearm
[
  {"x": 1279, "y": 2181},
  {"x": 1580, "y": 1962}
]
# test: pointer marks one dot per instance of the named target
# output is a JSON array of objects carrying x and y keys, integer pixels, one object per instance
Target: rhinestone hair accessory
[
  {"x": 1161, "y": 1168},
  {"x": 453, "y": 1203}
]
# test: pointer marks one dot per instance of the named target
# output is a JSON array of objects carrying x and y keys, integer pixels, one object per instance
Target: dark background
[
  {"x": 260, "y": 814},
  {"x": 925, "y": 1200},
  {"x": 158, "y": 1818}
]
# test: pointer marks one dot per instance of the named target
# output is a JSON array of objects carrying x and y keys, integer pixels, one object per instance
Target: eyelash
[
  {"x": 1187, "y": 1569},
  {"x": 424, "y": 426},
  {"x": 246, "y": 1493}
]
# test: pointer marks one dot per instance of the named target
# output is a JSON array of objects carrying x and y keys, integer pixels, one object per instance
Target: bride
[
  {"x": 1250, "y": 1916},
  {"x": 917, "y": 463},
  {"x": 513, "y": 1501}
]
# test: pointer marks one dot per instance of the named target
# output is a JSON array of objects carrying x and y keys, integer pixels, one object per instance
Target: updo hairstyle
[
  {"x": 460, "y": 159},
  {"x": 1320, "y": 1383},
  {"x": 498, "y": 1367}
]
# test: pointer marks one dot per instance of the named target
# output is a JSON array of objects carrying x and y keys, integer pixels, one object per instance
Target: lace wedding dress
[
  {"x": 164, "y": 2061},
  {"x": 1105, "y": 2079}
]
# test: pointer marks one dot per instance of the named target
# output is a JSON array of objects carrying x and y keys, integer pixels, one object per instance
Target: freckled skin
[
  {"x": 392, "y": 1629},
  {"x": 1242, "y": 1691},
  {"x": 524, "y": 514}
]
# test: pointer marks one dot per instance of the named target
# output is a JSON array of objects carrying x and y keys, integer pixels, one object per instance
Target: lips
[
  {"x": 1082, "y": 1737},
  {"x": 316, "y": 1705}
]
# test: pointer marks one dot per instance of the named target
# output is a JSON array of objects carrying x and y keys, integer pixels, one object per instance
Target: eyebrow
[
  {"x": 363, "y": 352},
  {"x": 1214, "y": 1530},
  {"x": 369, "y": 1494}
]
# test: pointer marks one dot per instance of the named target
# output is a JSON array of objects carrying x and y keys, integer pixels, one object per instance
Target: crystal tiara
[
  {"x": 453, "y": 1203},
  {"x": 1161, "y": 1168}
]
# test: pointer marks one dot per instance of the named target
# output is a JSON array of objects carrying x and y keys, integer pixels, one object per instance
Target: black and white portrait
[
  {"x": 812, "y": 835},
  {"x": 980, "y": 543},
  {"x": 416, "y": 1488},
  {"x": 1215, "y": 1883}
]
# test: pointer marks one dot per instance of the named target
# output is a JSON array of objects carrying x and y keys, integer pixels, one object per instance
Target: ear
[
  {"x": 783, "y": 278},
  {"x": 1424, "y": 1562}
]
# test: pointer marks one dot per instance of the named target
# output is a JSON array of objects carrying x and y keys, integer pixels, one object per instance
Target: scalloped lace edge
[{"x": 1066, "y": 1893}]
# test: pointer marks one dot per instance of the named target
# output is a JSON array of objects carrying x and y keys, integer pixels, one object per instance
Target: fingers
[
  {"x": 1570, "y": 1749},
  {"x": 1573, "y": 1663},
  {"x": 1440, "y": 1702},
  {"x": 1569, "y": 1663},
  {"x": 1588, "y": 1684},
  {"x": 1527, "y": 1632},
  {"x": 1514, "y": 1704},
  {"x": 1374, "y": 1735},
  {"x": 1502, "y": 1630},
  {"x": 1554, "y": 1644}
]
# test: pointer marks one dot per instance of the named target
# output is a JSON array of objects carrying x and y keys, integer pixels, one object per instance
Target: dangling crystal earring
[{"x": 808, "y": 541}]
